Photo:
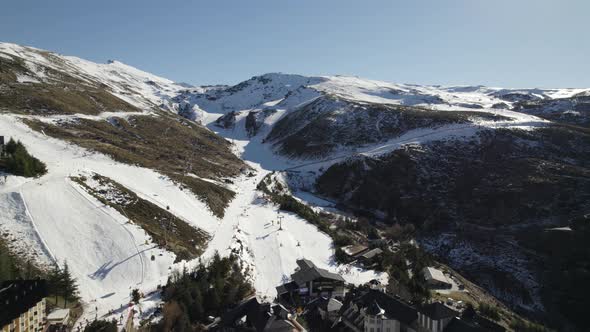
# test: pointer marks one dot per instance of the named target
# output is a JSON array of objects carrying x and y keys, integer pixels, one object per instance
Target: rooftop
[
  {"x": 354, "y": 249},
  {"x": 437, "y": 310},
  {"x": 435, "y": 274},
  {"x": 372, "y": 253},
  {"x": 329, "y": 305},
  {"x": 392, "y": 307},
  {"x": 58, "y": 315},
  {"x": 308, "y": 272}
]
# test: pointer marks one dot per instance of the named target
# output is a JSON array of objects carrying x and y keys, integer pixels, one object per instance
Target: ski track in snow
[{"x": 108, "y": 255}]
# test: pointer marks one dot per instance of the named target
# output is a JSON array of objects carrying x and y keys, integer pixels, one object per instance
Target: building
[
  {"x": 354, "y": 250},
  {"x": 327, "y": 308},
  {"x": 375, "y": 311},
  {"x": 309, "y": 282},
  {"x": 251, "y": 315},
  {"x": 435, "y": 278},
  {"x": 369, "y": 258},
  {"x": 434, "y": 317},
  {"x": 22, "y": 305},
  {"x": 57, "y": 320}
]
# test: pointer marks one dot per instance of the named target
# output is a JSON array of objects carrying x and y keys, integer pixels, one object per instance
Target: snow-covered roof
[
  {"x": 58, "y": 315},
  {"x": 308, "y": 272},
  {"x": 431, "y": 273},
  {"x": 354, "y": 249}
]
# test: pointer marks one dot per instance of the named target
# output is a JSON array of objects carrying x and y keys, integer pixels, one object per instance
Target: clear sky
[{"x": 511, "y": 43}]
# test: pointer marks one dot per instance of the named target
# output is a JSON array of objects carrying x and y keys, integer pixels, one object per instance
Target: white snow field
[
  {"x": 135, "y": 86},
  {"x": 23, "y": 238}
]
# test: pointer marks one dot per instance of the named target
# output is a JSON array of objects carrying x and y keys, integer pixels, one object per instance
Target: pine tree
[
  {"x": 8, "y": 270},
  {"x": 10, "y": 146},
  {"x": 196, "y": 310},
  {"x": 135, "y": 296},
  {"x": 70, "y": 287},
  {"x": 214, "y": 300},
  {"x": 55, "y": 281}
]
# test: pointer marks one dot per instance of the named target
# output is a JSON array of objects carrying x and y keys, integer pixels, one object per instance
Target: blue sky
[{"x": 516, "y": 43}]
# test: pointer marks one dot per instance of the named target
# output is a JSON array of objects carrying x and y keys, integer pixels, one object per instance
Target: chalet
[
  {"x": 375, "y": 311},
  {"x": 22, "y": 305},
  {"x": 309, "y": 282},
  {"x": 354, "y": 250},
  {"x": 435, "y": 278},
  {"x": 251, "y": 315},
  {"x": 369, "y": 258},
  {"x": 435, "y": 316}
]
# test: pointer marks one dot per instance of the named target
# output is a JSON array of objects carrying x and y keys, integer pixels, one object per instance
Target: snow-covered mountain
[
  {"x": 469, "y": 161},
  {"x": 120, "y": 162},
  {"x": 139, "y": 88},
  {"x": 113, "y": 136},
  {"x": 313, "y": 117}
]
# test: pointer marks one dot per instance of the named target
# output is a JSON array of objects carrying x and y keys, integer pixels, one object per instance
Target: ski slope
[
  {"x": 109, "y": 256},
  {"x": 250, "y": 227},
  {"x": 106, "y": 254}
]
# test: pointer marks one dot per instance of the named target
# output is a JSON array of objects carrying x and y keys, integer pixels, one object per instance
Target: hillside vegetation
[
  {"x": 177, "y": 148},
  {"x": 473, "y": 199},
  {"x": 165, "y": 229},
  {"x": 18, "y": 161},
  {"x": 208, "y": 290},
  {"x": 320, "y": 127},
  {"x": 61, "y": 93},
  {"x": 505, "y": 177}
]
